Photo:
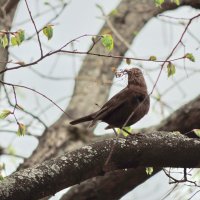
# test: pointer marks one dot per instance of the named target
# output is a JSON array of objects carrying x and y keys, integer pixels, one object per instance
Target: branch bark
[{"x": 157, "y": 149}]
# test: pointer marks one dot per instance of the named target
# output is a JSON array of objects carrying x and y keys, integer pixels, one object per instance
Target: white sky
[{"x": 79, "y": 18}]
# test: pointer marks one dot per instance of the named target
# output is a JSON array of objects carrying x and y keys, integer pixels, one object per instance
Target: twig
[
  {"x": 23, "y": 110},
  {"x": 28, "y": 88},
  {"x": 40, "y": 44}
]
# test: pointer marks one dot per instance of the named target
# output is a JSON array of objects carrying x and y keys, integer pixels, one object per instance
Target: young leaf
[
  {"x": 113, "y": 12},
  {"x": 4, "y": 114},
  {"x": 171, "y": 69},
  {"x": 159, "y": 3},
  {"x": 124, "y": 133},
  {"x": 190, "y": 57},
  {"x": 149, "y": 170},
  {"x": 177, "y": 2},
  {"x": 2, "y": 166},
  {"x": 152, "y": 58},
  {"x": 107, "y": 41},
  {"x": 21, "y": 129},
  {"x": 48, "y": 31},
  {"x": 128, "y": 61},
  {"x": 1, "y": 177},
  {"x": 197, "y": 132},
  {"x": 4, "y": 41},
  {"x": 18, "y": 37},
  {"x": 11, "y": 150},
  {"x": 14, "y": 41},
  {"x": 21, "y": 35}
]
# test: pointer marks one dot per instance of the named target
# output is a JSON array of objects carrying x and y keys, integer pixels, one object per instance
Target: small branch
[
  {"x": 28, "y": 88},
  {"x": 25, "y": 111},
  {"x": 40, "y": 44},
  {"x": 183, "y": 180},
  {"x": 60, "y": 50}
]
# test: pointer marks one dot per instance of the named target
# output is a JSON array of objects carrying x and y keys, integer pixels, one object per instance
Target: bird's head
[{"x": 135, "y": 76}]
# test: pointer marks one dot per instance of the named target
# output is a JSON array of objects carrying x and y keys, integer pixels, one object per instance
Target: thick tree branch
[
  {"x": 184, "y": 120},
  {"x": 157, "y": 149}
]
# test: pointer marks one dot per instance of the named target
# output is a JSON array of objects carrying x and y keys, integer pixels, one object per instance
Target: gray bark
[{"x": 157, "y": 149}]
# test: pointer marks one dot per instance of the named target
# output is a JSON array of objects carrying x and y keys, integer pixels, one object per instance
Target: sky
[{"x": 83, "y": 17}]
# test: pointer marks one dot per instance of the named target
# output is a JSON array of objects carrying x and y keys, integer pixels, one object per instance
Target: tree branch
[{"x": 157, "y": 149}]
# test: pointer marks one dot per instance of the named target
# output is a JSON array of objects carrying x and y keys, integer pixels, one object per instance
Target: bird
[{"x": 126, "y": 107}]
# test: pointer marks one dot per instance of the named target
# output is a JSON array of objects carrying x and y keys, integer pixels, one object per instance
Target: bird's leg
[{"x": 123, "y": 129}]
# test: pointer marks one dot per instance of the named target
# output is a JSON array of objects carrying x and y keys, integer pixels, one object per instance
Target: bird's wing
[{"x": 115, "y": 102}]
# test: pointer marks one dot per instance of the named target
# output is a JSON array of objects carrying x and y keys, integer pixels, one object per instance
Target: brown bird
[{"x": 126, "y": 107}]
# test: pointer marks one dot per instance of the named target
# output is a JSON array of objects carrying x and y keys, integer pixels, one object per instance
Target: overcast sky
[{"x": 82, "y": 17}]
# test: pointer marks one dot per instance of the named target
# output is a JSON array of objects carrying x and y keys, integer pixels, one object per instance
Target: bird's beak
[{"x": 127, "y": 71}]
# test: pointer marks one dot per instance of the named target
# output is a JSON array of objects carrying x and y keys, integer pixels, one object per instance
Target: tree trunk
[{"x": 7, "y": 12}]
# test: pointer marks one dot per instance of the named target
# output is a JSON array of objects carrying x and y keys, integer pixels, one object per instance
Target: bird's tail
[{"x": 82, "y": 119}]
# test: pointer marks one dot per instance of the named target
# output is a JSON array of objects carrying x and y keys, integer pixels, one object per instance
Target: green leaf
[
  {"x": 2, "y": 166},
  {"x": 4, "y": 114},
  {"x": 21, "y": 129},
  {"x": 158, "y": 97},
  {"x": 177, "y": 2},
  {"x": 149, "y": 170},
  {"x": 120, "y": 131},
  {"x": 128, "y": 61},
  {"x": 197, "y": 132},
  {"x": 11, "y": 150},
  {"x": 113, "y": 12},
  {"x": 1, "y": 177},
  {"x": 14, "y": 41},
  {"x": 21, "y": 35},
  {"x": 107, "y": 41},
  {"x": 4, "y": 40},
  {"x": 171, "y": 69},
  {"x": 159, "y": 3},
  {"x": 48, "y": 31},
  {"x": 190, "y": 57},
  {"x": 18, "y": 37},
  {"x": 152, "y": 58}
]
